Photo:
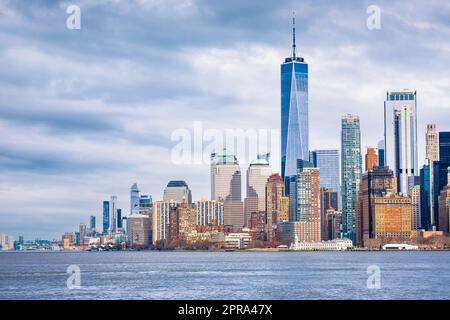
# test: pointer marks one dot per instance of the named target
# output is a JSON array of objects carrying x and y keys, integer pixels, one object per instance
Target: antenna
[{"x": 293, "y": 34}]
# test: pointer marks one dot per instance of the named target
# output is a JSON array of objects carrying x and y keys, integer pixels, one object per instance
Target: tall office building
[
  {"x": 277, "y": 205},
  {"x": 328, "y": 163},
  {"x": 119, "y": 219},
  {"x": 257, "y": 174},
  {"x": 415, "y": 203},
  {"x": 294, "y": 111},
  {"x": 392, "y": 219},
  {"x": 400, "y": 136},
  {"x": 92, "y": 225},
  {"x": 113, "y": 214},
  {"x": 381, "y": 161},
  {"x": 208, "y": 212},
  {"x": 134, "y": 199},
  {"x": 176, "y": 191},
  {"x": 139, "y": 231},
  {"x": 105, "y": 217},
  {"x": 371, "y": 159},
  {"x": 329, "y": 200},
  {"x": 432, "y": 142},
  {"x": 351, "y": 167},
  {"x": 375, "y": 182},
  {"x": 225, "y": 177},
  {"x": 226, "y": 187},
  {"x": 444, "y": 206}
]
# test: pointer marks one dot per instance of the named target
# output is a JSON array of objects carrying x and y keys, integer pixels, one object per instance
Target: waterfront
[{"x": 225, "y": 275}]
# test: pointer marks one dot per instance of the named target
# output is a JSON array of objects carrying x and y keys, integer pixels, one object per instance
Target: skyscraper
[
  {"x": 328, "y": 163},
  {"x": 225, "y": 177},
  {"x": 145, "y": 204},
  {"x": 294, "y": 111},
  {"x": 381, "y": 161},
  {"x": 134, "y": 199},
  {"x": 208, "y": 212},
  {"x": 92, "y": 225},
  {"x": 276, "y": 208},
  {"x": 351, "y": 163},
  {"x": 105, "y": 217},
  {"x": 113, "y": 214},
  {"x": 432, "y": 142},
  {"x": 400, "y": 136},
  {"x": 308, "y": 202},
  {"x": 375, "y": 182},
  {"x": 176, "y": 191},
  {"x": 371, "y": 159},
  {"x": 257, "y": 174},
  {"x": 139, "y": 231},
  {"x": 329, "y": 200},
  {"x": 415, "y": 203}
]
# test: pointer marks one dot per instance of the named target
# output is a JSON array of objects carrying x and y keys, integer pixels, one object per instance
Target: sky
[{"x": 86, "y": 113}]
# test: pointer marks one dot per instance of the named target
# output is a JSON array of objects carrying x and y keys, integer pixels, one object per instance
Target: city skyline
[{"x": 75, "y": 161}]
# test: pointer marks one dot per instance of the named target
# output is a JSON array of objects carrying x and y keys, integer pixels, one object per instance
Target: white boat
[{"x": 399, "y": 247}]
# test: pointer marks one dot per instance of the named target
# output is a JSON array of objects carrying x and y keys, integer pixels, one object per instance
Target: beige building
[
  {"x": 291, "y": 231},
  {"x": 277, "y": 204},
  {"x": 160, "y": 220},
  {"x": 257, "y": 174},
  {"x": 432, "y": 142},
  {"x": 308, "y": 202},
  {"x": 225, "y": 177},
  {"x": 392, "y": 218},
  {"x": 139, "y": 231}
]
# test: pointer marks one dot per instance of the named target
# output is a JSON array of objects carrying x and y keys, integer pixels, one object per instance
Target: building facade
[
  {"x": 177, "y": 191},
  {"x": 371, "y": 158},
  {"x": 328, "y": 163},
  {"x": 208, "y": 212},
  {"x": 351, "y": 166},
  {"x": 400, "y": 136},
  {"x": 294, "y": 112}
]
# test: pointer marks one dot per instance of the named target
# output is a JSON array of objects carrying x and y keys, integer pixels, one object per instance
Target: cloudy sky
[{"x": 85, "y": 113}]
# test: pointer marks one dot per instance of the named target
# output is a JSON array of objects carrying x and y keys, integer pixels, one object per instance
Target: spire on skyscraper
[{"x": 293, "y": 34}]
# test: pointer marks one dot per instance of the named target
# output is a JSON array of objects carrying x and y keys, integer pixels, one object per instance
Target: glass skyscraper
[
  {"x": 400, "y": 136},
  {"x": 328, "y": 163},
  {"x": 294, "y": 112},
  {"x": 105, "y": 217},
  {"x": 134, "y": 199},
  {"x": 351, "y": 171}
]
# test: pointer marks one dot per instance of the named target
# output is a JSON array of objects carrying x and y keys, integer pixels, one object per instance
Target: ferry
[{"x": 399, "y": 247}]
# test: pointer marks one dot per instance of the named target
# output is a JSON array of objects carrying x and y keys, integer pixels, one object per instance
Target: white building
[
  {"x": 6, "y": 242},
  {"x": 332, "y": 245},
  {"x": 238, "y": 240},
  {"x": 160, "y": 220},
  {"x": 258, "y": 172},
  {"x": 207, "y": 211},
  {"x": 400, "y": 136}
]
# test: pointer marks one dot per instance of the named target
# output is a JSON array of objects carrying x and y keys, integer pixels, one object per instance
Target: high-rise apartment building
[
  {"x": 371, "y": 158},
  {"x": 333, "y": 227},
  {"x": 208, "y": 212},
  {"x": 351, "y": 168},
  {"x": 328, "y": 163},
  {"x": 177, "y": 191},
  {"x": 415, "y": 203},
  {"x": 400, "y": 136},
  {"x": 308, "y": 201},
  {"x": 294, "y": 112},
  {"x": 160, "y": 220}
]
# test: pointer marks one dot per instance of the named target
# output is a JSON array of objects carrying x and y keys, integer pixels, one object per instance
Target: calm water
[{"x": 225, "y": 275}]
